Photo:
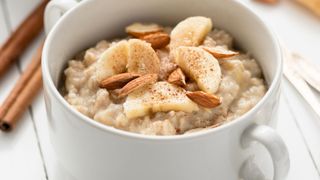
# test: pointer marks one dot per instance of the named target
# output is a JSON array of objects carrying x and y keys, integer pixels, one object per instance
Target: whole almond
[
  {"x": 177, "y": 77},
  {"x": 118, "y": 81},
  {"x": 204, "y": 99},
  {"x": 138, "y": 29},
  {"x": 137, "y": 83},
  {"x": 219, "y": 51},
  {"x": 157, "y": 40}
]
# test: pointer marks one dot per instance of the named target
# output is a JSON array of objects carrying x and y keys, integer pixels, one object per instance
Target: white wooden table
[{"x": 26, "y": 153}]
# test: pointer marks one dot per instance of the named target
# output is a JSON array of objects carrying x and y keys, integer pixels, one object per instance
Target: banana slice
[
  {"x": 200, "y": 66},
  {"x": 142, "y": 58},
  {"x": 190, "y": 32},
  {"x": 159, "y": 97},
  {"x": 112, "y": 61}
]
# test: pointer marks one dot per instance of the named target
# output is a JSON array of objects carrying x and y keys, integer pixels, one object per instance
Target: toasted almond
[
  {"x": 157, "y": 40},
  {"x": 204, "y": 99},
  {"x": 177, "y": 77},
  {"x": 118, "y": 81},
  {"x": 137, "y": 83},
  {"x": 139, "y": 30},
  {"x": 219, "y": 51}
]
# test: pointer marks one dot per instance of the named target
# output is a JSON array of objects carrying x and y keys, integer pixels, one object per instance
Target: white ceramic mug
[{"x": 90, "y": 150}]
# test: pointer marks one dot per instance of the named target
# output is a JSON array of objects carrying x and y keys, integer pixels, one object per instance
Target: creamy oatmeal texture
[{"x": 196, "y": 79}]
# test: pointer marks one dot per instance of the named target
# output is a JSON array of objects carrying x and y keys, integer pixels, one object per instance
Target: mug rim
[{"x": 126, "y": 134}]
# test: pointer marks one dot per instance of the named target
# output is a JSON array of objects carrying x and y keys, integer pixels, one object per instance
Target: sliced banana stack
[
  {"x": 142, "y": 58},
  {"x": 113, "y": 60},
  {"x": 190, "y": 32},
  {"x": 200, "y": 66},
  {"x": 142, "y": 65},
  {"x": 159, "y": 97}
]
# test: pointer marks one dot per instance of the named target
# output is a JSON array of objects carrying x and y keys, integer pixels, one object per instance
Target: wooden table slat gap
[
  {"x": 19, "y": 65},
  {"x": 30, "y": 109},
  {"x": 301, "y": 132},
  {"x": 301, "y": 166},
  {"x": 307, "y": 126}
]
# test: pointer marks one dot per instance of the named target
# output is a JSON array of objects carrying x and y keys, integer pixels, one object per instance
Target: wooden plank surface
[
  {"x": 20, "y": 157},
  {"x": 307, "y": 121},
  {"x": 295, "y": 25},
  {"x": 302, "y": 166},
  {"x": 299, "y": 30}
]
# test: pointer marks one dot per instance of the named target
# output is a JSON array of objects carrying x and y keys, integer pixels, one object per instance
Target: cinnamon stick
[
  {"x": 22, "y": 37},
  {"x": 25, "y": 77},
  {"x": 22, "y": 102}
]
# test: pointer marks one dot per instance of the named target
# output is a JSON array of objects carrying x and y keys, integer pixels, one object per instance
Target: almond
[
  {"x": 177, "y": 77},
  {"x": 139, "y": 30},
  {"x": 118, "y": 81},
  {"x": 219, "y": 51},
  {"x": 137, "y": 83},
  {"x": 157, "y": 40},
  {"x": 204, "y": 99}
]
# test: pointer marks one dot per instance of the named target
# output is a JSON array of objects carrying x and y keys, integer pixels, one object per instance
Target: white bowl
[{"x": 90, "y": 150}]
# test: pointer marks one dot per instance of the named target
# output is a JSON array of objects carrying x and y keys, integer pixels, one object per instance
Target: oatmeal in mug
[{"x": 164, "y": 81}]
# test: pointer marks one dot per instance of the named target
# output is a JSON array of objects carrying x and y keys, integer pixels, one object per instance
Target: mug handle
[
  {"x": 274, "y": 144},
  {"x": 54, "y": 10}
]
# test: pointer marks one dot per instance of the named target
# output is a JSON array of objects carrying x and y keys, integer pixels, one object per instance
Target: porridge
[{"x": 164, "y": 81}]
